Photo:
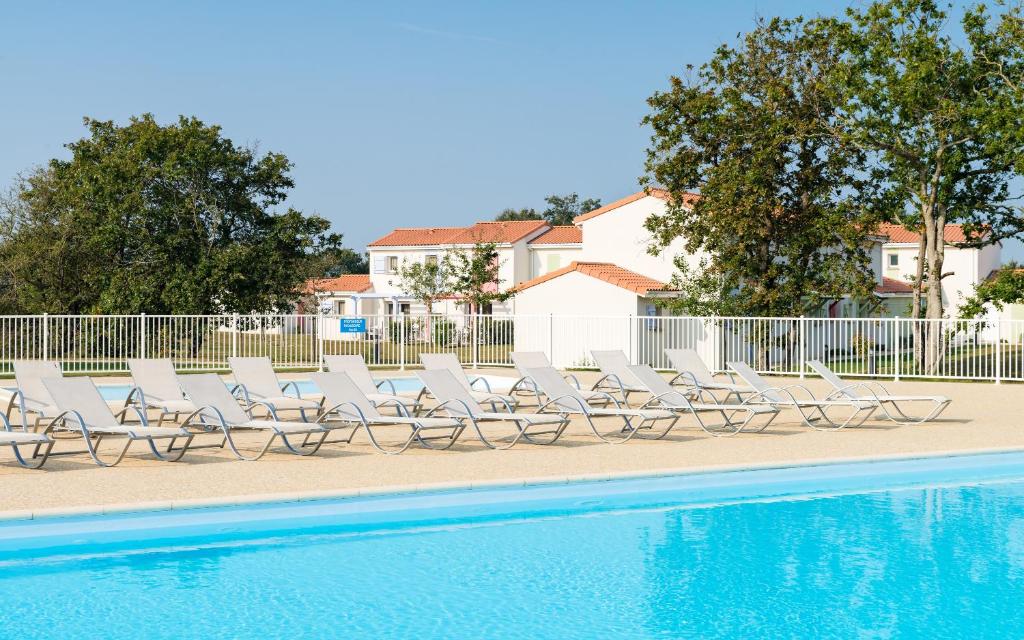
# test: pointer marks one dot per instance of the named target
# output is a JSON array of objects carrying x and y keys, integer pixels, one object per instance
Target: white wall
[
  {"x": 619, "y": 237},
  {"x": 547, "y": 258},
  {"x": 969, "y": 268}
]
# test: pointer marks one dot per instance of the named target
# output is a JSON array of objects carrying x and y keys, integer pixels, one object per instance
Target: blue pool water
[{"x": 884, "y": 550}]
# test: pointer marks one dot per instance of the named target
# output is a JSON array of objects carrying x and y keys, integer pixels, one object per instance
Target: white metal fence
[{"x": 887, "y": 347}]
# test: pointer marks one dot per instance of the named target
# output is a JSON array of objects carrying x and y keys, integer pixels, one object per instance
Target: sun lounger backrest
[
  {"x": 445, "y": 387},
  {"x": 689, "y": 361},
  {"x": 830, "y": 377},
  {"x": 257, "y": 376},
  {"x": 208, "y": 390},
  {"x": 356, "y": 369},
  {"x": 554, "y": 386},
  {"x": 339, "y": 387},
  {"x": 615, "y": 363},
  {"x": 81, "y": 395},
  {"x": 448, "y": 362},
  {"x": 156, "y": 377},
  {"x": 657, "y": 385},
  {"x": 29, "y": 374},
  {"x": 524, "y": 360},
  {"x": 753, "y": 379}
]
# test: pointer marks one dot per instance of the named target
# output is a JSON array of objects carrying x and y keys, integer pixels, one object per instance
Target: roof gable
[
  {"x": 661, "y": 194},
  {"x": 561, "y": 234},
  {"x": 606, "y": 272}
]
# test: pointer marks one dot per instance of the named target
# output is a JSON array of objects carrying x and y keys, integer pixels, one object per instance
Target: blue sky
[{"x": 395, "y": 114}]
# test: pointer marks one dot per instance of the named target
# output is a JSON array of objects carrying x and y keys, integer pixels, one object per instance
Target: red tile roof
[
  {"x": 688, "y": 198},
  {"x": 499, "y": 232},
  {"x": 891, "y": 285},
  {"x": 568, "y": 234},
  {"x": 355, "y": 282},
  {"x": 606, "y": 271},
  {"x": 954, "y": 233}
]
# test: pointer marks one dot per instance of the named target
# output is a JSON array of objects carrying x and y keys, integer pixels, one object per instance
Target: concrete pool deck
[{"x": 982, "y": 417}]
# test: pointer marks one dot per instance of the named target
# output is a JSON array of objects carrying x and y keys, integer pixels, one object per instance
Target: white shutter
[{"x": 380, "y": 264}]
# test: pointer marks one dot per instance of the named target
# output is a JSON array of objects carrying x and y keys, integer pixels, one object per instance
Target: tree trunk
[
  {"x": 915, "y": 310},
  {"x": 934, "y": 222}
]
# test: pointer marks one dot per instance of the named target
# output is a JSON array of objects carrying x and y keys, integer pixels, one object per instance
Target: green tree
[
  {"x": 342, "y": 260},
  {"x": 1005, "y": 287},
  {"x": 475, "y": 277},
  {"x": 518, "y": 214},
  {"x": 563, "y": 209},
  {"x": 158, "y": 219},
  {"x": 777, "y": 233},
  {"x": 940, "y": 121},
  {"x": 427, "y": 282}
]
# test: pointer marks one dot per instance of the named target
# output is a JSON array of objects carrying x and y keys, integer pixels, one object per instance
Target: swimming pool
[{"x": 887, "y": 549}]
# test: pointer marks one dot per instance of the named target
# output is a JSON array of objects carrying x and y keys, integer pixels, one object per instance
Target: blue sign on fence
[{"x": 352, "y": 325}]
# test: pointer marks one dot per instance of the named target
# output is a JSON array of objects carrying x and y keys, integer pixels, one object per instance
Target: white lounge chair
[
  {"x": 356, "y": 369},
  {"x": 345, "y": 401},
  {"x": 875, "y": 392},
  {"x": 693, "y": 372},
  {"x": 40, "y": 442},
  {"x": 458, "y": 403},
  {"x": 567, "y": 399},
  {"x": 665, "y": 396},
  {"x": 219, "y": 410},
  {"x": 257, "y": 383},
  {"x": 812, "y": 411},
  {"x": 32, "y": 397},
  {"x": 155, "y": 387},
  {"x": 523, "y": 360},
  {"x": 84, "y": 411},
  {"x": 450, "y": 362},
  {"x": 614, "y": 365}
]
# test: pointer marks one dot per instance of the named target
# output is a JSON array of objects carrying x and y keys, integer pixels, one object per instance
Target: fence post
[
  {"x": 803, "y": 347},
  {"x": 46, "y": 336},
  {"x": 318, "y": 335},
  {"x": 142, "y": 335},
  {"x": 629, "y": 337},
  {"x": 476, "y": 341},
  {"x": 999, "y": 351},
  {"x": 234, "y": 335},
  {"x": 896, "y": 356},
  {"x": 551, "y": 339},
  {"x": 401, "y": 343}
]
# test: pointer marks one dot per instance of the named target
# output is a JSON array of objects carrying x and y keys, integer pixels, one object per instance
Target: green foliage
[
  {"x": 427, "y": 282},
  {"x": 342, "y": 260},
  {"x": 774, "y": 223},
  {"x": 158, "y": 219},
  {"x": 518, "y": 214},
  {"x": 443, "y": 332},
  {"x": 402, "y": 330},
  {"x": 475, "y": 276},
  {"x": 939, "y": 115},
  {"x": 496, "y": 331},
  {"x": 1006, "y": 287},
  {"x": 563, "y": 209}
]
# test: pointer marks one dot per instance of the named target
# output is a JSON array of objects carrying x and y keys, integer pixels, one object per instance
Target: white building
[{"x": 592, "y": 267}]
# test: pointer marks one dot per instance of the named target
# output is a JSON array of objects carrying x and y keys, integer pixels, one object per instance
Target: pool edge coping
[{"x": 462, "y": 485}]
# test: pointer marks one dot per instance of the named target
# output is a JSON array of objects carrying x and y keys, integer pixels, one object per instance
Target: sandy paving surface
[{"x": 982, "y": 416}]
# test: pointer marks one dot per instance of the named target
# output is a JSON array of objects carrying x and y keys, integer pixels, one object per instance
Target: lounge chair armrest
[
  {"x": 333, "y": 409},
  {"x": 553, "y": 401},
  {"x": 522, "y": 381},
  {"x": 63, "y": 418},
  {"x": 390, "y": 383},
  {"x": 657, "y": 398},
  {"x": 875, "y": 383},
  {"x": 293, "y": 385},
  {"x": 790, "y": 387},
  {"x": 135, "y": 394},
  {"x": 140, "y": 412},
  {"x": 402, "y": 409},
  {"x": 841, "y": 392},
  {"x": 574, "y": 380},
  {"x": 454, "y": 401},
  {"x": 759, "y": 397},
  {"x": 241, "y": 393},
  {"x": 487, "y": 385},
  {"x": 686, "y": 375},
  {"x": 263, "y": 403},
  {"x": 200, "y": 413}
]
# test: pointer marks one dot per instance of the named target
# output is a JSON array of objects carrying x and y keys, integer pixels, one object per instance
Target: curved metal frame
[
  {"x": 304, "y": 449},
  {"x": 415, "y": 435},
  {"x": 732, "y": 426},
  {"x": 628, "y": 428},
  {"x": 517, "y": 420},
  {"x": 48, "y": 443},
  {"x": 817, "y": 412},
  {"x": 61, "y": 422},
  {"x": 882, "y": 400}
]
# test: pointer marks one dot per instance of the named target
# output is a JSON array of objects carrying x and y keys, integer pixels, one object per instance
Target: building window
[
  {"x": 431, "y": 259},
  {"x": 894, "y": 260},
  {"x": 403, "y": 307},
  {"x": 553, "y": 262},
  {"x": 392, "y": 264},
  {"x": 339, "y": 307}
]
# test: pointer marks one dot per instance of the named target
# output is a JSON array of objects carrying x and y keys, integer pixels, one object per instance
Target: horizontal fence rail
[{"x": 954, "y": 349}]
